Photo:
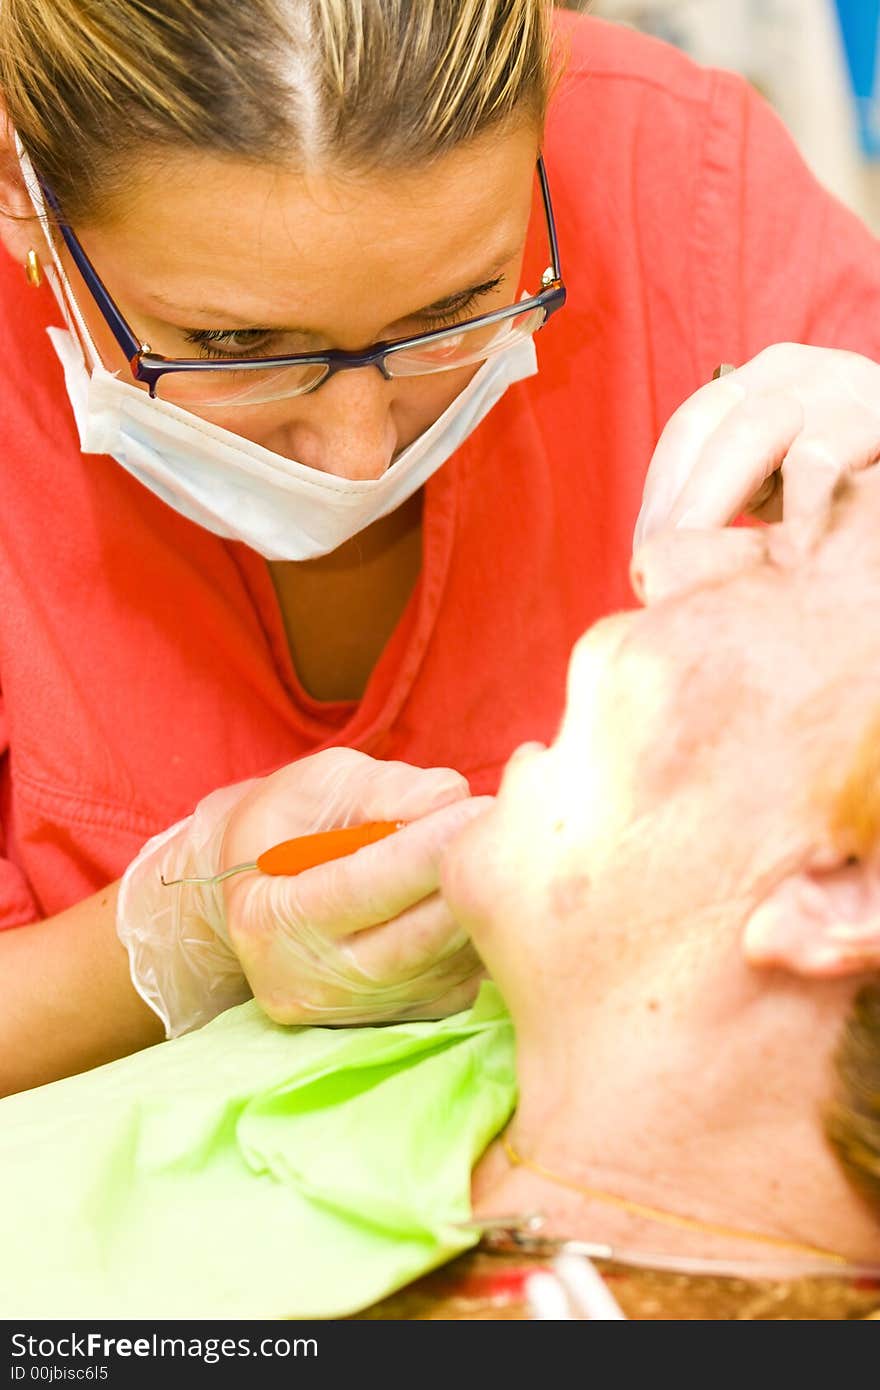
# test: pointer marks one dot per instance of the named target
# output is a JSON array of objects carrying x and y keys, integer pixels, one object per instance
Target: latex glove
[
  {"x": 811, "y": 413},
  {"x": 363, "y": 938},
  {"x": 366, "y": 938}
]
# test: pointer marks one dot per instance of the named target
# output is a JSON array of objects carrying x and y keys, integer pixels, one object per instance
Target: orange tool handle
[{"x": 293, "y": 856}]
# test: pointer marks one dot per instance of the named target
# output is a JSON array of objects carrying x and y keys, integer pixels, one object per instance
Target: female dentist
[{"x": 337, "y": 337}]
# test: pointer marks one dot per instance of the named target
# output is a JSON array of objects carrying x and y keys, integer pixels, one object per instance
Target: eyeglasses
[{"x": 190, "y": 382}]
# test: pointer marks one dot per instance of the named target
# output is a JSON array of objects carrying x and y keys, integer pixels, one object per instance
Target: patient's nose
[{"x": 592, "y": 671}]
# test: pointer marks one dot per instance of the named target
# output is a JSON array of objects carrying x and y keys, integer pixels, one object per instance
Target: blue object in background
[{"x": 860, "y": 26}]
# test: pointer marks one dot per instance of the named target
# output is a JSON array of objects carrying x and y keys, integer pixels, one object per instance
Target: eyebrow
[{"x": 230, "y": 320}]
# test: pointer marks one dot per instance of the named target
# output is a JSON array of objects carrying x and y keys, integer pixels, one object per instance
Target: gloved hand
[
  {"x": 362, "y": 939},
  {"x": 811, "y": 413}
]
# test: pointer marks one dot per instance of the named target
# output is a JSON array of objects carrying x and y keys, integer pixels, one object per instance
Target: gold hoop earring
[{"x": 33, "y": 270}]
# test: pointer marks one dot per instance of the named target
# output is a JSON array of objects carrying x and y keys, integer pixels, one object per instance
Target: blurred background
[{"x": 815, "y": 60}]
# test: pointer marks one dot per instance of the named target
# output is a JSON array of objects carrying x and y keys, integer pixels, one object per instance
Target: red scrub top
[{"x": 143, "y": 661}]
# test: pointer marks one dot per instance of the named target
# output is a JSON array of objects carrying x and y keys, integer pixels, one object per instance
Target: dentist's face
[{"x": 211, "y": 256}]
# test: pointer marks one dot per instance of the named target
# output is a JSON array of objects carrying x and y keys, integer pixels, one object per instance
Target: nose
[
  {"x": 346, "y": 428},
  {"x": 593, "y": 664}
]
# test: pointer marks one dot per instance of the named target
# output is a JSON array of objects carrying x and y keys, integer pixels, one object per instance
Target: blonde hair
[
  {"x": 98, "y": 87},
  {"x": 852, "y": 1122}
]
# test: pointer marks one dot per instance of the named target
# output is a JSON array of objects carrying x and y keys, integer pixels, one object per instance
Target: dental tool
[{"x": 305, "y": 851}]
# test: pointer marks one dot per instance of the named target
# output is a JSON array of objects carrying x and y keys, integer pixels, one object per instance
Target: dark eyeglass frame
[{"x": 149, "y": 367}]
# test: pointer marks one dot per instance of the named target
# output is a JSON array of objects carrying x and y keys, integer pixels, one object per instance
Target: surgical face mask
[
  {"x": 237, "y": 489},
  {"x": 231, "y": 486}
]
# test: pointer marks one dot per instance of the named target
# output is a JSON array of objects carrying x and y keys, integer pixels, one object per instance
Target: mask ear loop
[{"x": 55, "y": 273}]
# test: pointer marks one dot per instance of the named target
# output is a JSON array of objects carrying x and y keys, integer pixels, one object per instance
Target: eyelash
[
  {"x": 209, "y": 340},
  {"x": 453, "y": 314}
]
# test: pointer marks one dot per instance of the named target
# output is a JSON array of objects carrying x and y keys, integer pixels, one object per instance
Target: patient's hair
[
  {"x": 854, "y": 821},
  {"x": 852, "y": 1122},
  {"x": 96, "y": 88}
]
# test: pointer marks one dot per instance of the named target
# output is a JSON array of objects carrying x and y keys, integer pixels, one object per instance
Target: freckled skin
[{"x": 318, "y": 255}]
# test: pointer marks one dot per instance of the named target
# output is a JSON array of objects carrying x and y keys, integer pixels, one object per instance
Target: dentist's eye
[
  {"x": 239, "y": 342},
  {"x": 452, "y": 315},
  {"x": 459, "y": 306}
]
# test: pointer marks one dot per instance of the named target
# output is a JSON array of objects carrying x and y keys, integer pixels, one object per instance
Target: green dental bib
[{"x": 249, "y": 1170}]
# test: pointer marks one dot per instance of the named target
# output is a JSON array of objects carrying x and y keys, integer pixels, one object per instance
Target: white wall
[{"x": 792, "y": 51}]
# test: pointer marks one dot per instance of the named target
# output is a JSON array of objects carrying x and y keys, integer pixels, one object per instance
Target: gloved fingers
[
  {"x": 459, "y": 997},
  {"x": 421, "y": 939},
  {"x": 679, "y": 449},
  {"x": 433, "y": 994},
  {"x": 379, "y": 882},
  {"x": 364, "y": 889},
  {"x": 375, "y": 790},
  {"x": 845, "y": 440},
  {"x": 721, "y": 446},
  {"x": 770, "y": 430},
  {"x": 300, "y": 972},
  {"x": 674, "y": 563},
  {"x": 179, "y": 959},
  {"x": 748, "y": 445},
  {"x": 324, "y": 1009},
  {"x": 323, "y": 792},
  {"x": 207, "y": 825}
]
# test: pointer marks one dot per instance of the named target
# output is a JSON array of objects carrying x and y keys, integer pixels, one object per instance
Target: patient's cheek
[{"x": 568, "y": 896}]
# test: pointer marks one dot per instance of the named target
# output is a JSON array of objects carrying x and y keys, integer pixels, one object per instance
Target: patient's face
[{"x": 702, "y": 742}]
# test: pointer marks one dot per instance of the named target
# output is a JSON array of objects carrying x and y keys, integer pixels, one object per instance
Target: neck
[
  {"x": 340, "y": 610},
  {"x": 696, "y": 1087}
]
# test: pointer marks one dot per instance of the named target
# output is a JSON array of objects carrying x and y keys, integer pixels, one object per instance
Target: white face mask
[
  {"x": 237, "y": 489},
  {"x": 233, "y": 487}
]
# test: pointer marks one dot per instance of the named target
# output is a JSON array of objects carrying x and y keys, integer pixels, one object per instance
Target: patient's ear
[
  {"x": 674, "y": 562},
  {"x": 823, "y": 922}
]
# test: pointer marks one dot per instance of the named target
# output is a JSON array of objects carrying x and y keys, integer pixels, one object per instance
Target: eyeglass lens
[{"x": 257, "y": 385}]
